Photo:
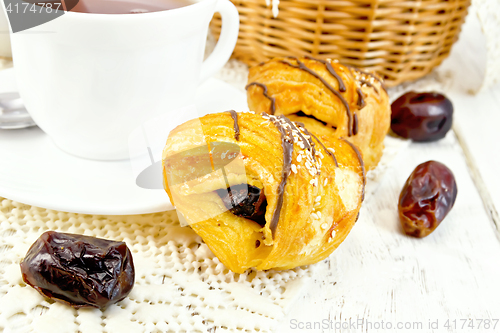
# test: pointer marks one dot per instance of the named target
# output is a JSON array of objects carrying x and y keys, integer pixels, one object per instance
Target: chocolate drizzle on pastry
[
  {"x": 287, "y": 145},
  {"x": 302, "y": 66},
  {"x": 264, "y": 87},
  {"x": 234, "y": 115},
  {"x": 327, "y": 151},
  {"x": 373, "y": 76},
  {"x": 355, "y": 125},
  {"x": 369, "y": 84},
  {"x": 366, "y": 78},
  {"x": 308, "y": 143},
  {"x": 361, "y": 98},
  {"x": 332, "y": 71},
  {"x": 362, "y": 164},
  {"x": 295, "y": 132},
  {"x": 361, "y": 104}
]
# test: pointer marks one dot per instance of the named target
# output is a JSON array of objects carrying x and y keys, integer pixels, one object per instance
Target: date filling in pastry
[{"x": 245, "y": 201}]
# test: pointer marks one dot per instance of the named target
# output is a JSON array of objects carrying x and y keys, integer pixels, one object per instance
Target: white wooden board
[{"x": 378, "y": 273}]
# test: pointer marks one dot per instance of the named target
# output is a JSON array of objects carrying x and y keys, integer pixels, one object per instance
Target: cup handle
[{"x": 227, "y": 39}]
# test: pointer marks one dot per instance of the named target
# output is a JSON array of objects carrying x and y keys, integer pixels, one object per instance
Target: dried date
[
  {"x": 79, "y": 270},
  {"x": 422, "y": 116},
  {"x": 426, "y": 198},
  {"x": 245, "y": 201}
]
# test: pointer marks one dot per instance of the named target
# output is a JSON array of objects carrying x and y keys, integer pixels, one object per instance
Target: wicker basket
[{"x": 401, "y": 40}]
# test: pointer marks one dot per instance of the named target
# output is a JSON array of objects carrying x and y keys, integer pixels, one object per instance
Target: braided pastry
[
  {"x": 329, "y": 98},
  {"x": 261, "y": 190}
]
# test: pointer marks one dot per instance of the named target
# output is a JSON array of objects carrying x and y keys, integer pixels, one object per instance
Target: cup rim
[{"x": 128, "y": 16}]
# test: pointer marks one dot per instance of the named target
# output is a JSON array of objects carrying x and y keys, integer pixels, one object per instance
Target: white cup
[{"x": 88, "y": 80}]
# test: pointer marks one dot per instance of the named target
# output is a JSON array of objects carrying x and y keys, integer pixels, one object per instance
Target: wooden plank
[
  {"x": 481, "y": 186},
  {"x": 476, "y": 115}
]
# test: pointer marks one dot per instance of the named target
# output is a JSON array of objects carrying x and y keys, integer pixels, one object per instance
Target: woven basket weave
[{"x": 401, "y": 40}]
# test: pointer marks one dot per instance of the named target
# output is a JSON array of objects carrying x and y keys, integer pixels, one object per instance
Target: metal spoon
[{"x": 13, "y": 114}]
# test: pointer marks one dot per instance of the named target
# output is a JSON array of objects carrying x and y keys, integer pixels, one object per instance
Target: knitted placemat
[{"x": 180, "y": 285}]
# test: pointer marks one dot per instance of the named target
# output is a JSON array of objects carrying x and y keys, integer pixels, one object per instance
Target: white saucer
[{"x": 35, "y": 172}]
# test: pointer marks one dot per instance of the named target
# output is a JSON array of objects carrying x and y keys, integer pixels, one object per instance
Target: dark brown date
[
  {"x": 245, "y": 201},
  {"x": 426, "y": 198},
  {"x": 79, "y": 270},
  {"x": 422, "y": 116}
]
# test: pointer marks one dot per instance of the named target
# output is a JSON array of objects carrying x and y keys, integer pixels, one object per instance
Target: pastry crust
[
  {"x": 329, "y": 98},
  {"x": 320, "y": 201}
]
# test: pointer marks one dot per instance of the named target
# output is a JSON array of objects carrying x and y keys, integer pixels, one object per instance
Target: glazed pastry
[
  {"x": 329, "y": 98},
  {"x": 261, "y": 190}
]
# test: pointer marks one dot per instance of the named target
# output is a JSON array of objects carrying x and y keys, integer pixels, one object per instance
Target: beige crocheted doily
[{"x": 180, "y": 286}]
